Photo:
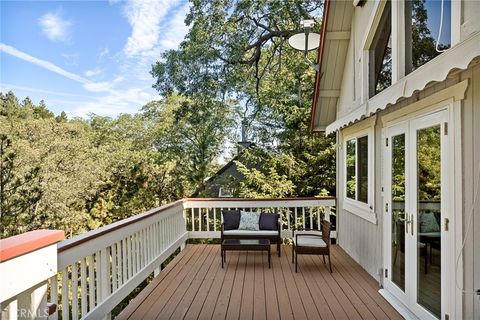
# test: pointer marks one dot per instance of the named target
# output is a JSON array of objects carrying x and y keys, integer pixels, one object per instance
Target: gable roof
[{"x": 334, "y": 40}]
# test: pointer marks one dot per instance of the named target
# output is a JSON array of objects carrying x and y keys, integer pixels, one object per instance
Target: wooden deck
[{"x": 194, "y": 286}]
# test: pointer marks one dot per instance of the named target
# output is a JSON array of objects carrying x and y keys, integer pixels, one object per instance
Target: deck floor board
[{"x": 194, "y": 286}]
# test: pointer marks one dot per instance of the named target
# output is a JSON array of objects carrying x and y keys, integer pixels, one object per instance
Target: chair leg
[
  {"x": 278, "y": 249},
  {"x": 293, "y": 252},
  {"x": 296, "y": 262},
  {"x": 329, "y": 263},
  {"x": 323, "y": 256}
]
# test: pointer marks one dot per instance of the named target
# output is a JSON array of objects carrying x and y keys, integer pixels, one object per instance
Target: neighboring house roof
[{"x": 334, "y": 40}]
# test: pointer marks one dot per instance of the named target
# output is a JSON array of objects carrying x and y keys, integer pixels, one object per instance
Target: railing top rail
[
  {"x": 81, "y": 238},
  {"x": 257, "y": 199},
  {"x": 24, "y": 243},
  {"x": 85, "y": 237}
]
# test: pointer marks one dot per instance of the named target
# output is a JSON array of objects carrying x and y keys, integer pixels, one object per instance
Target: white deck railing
[{"x": 100, "y": 268}]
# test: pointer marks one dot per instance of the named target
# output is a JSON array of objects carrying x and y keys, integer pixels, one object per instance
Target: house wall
[{"x": 363, "y": 240}]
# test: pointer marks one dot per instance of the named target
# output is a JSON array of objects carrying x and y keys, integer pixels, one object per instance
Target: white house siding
[
  {"x": 471, "y": 167},
  {"x": 363, "y": 240}
]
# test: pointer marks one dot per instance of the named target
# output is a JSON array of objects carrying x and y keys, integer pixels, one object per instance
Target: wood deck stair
[{"x": 194, "y": 286}]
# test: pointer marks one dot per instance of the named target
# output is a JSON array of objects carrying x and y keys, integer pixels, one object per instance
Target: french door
[{"x": 418, "y": 244}]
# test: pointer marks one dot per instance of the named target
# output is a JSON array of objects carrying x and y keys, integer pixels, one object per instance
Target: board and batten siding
[
  {"x": 471, "y": 169},
  {"x": 363, "y": 240}
]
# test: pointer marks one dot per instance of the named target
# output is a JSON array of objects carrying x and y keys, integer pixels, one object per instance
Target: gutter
[{"x": 318, "y": 75}]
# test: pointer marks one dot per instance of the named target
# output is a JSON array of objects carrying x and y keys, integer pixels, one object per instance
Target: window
[
  {"x": 358, "y": 164},
  {"x": 380, "y": 58},
  {"x": 428, "y": 28},
  {"x": 357, "y": 169}
]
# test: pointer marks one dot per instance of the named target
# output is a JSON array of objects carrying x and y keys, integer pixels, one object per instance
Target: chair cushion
[
  {"x": 268, "y": 221},
  {"x": 310, "y": 241},
  {"x": 250, "y": 233},
  {"x": 231, "y": 219},
  {"x": 249, "y": 220}
]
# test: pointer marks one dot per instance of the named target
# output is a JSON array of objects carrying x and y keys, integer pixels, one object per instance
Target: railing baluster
[
  {"x": 130, "y": 257},
  {"x": 288, "y": 220},
  {"x": 114, "y": 267},
  {"x": 214, "y": 219},
  {"x": 311, "y": 219},
  {"x": 296, "y": 217},
  {"x": 327, "y": 214},
  {"x": 303, "y": 214},
  {"x": 91, "y": 282},
  {"x": 208, "y": 219},
  {"x": 105, "y": 273},
  {"x": 54, "y": 295},
  {"x": 137, "y": 252},
  {"x": 124, "y": 261},
  {"x": 83, "y": 284},
  {"x": 74, "y": 291},
  {"x": 98, "y": 277},
  {"x": 199, "y": 219},
  {"x": 319, "y": 220},
  {"x": 119, "y": 264},
  {"x": 65, "y": 287}
]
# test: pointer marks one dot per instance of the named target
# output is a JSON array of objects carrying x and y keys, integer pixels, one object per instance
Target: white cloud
[
  {"x": 71, "y": 59},
  {"x": 7, "y": 86},
  {"x": 55, "y": 27},
  {"x": 98, "y": 86},
  {"x": 93, "y": 72},
  {"x": 145, "y": 18},
  {"x": 104, "y": 52},
  {"x": 88, "y": 85},
  {"x": 116, "y": 102},
  {"x": 175, "y": 30},
  {"x": 42, "y": 63}
]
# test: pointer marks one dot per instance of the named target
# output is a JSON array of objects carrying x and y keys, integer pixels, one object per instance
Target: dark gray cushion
[
  {"x": 231, "y": 219},
  {"x": 268, "y": 221}
]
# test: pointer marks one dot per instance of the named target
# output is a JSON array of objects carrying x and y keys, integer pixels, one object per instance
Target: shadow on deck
[{"x": 194, "y": 286}]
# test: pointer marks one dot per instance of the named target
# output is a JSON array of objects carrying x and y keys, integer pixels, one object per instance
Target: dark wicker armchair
[{"x": 308, "y": 241}]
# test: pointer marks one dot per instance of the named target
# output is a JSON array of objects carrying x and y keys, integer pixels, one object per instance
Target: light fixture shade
[{"x": 297, "y": 41}]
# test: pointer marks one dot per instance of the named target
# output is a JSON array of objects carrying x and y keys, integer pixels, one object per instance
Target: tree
[{"x": 237, "y": 50}]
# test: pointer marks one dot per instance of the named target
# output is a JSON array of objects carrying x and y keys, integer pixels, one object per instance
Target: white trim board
[{"x": 399, "y": 306}]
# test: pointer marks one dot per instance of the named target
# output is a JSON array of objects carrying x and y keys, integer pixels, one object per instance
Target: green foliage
[
  {"x": 77, "y": 175},
  {"x": 237, "y": 51}
]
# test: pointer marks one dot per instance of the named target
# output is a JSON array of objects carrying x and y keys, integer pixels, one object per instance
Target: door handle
[
  {"x": 411, "y": 227},
  {"x": 407, "y": 222}
]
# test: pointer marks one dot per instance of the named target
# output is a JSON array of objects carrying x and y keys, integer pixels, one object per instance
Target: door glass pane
[
  {"x": 398, "y": 210},
  {"x": 351, "y": 185},
  {"x": 428, "y": 219},
  {"x": 362, "y": 169}
]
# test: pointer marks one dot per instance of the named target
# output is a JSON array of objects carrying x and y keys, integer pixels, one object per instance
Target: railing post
[{"x": 27, "y": 262}]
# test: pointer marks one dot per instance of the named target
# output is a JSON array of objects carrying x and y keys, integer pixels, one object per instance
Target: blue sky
[{"x": 86, "y": 56}]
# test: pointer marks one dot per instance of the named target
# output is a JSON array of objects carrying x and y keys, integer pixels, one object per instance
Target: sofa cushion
[
  {"x": 231, "y": 219},
  {"x": 250, "y": 233},
  {"x": 268, "y": 221},
  {"x": 428, "y": 223},
  {"x": 249, "y": 220}
]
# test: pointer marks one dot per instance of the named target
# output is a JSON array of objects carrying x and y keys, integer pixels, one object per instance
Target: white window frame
[{"x": 359, "y": 208}]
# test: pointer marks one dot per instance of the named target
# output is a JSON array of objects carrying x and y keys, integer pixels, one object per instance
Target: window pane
[
  {"x": 381, "y": 54},
  {"x": 362, "y": 169},
  {"x": 422, "y": 20},
  {"x": 351, "y": 185}
]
